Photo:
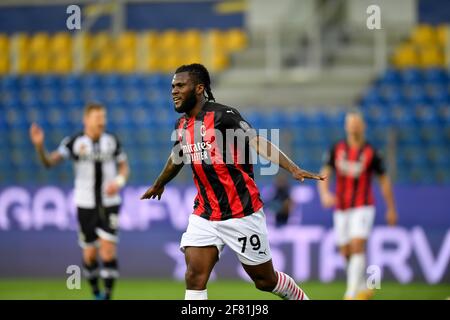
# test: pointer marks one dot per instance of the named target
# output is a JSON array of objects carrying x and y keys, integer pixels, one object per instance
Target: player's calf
[{"x": 287, "y": 289}]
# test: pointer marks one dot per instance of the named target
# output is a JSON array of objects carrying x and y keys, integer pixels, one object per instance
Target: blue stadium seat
[
  {"x": 416, "y": 94},
  {"x": 50, "y": 81},
  {"x": 435, "y": 76},
  {"x": 411, "y": 76},
  {"x": 390, "y": 77},
  {"x": 91, "y": 81},
  {"x": 133, "y": 81},
  {"x": 438, "y": 94},
  {"x": 9, "y": 82},
  {"x": 72, "y": 81},
  {"x": 112, "y": 81},
  {"x": 29, "y": 81},
  {"x": 371, "y": 97}
]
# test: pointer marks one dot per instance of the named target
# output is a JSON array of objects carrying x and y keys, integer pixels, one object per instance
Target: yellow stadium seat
[
  {"x": 424, "y": 35},
  {"x": 106, "y": 62},
  {"x": 169, "y": 40},
  {"x": 406, "y": 56},
  {"x": 431, "y": 57},
  {"x": 4, "y": 43},
  {"x": 191, "y": 40},
  {"x": 40, "y": 64},
  {"x": 62, "y": 65},
  {"x": 442, "y": 33},
  {"x": 219, "y": 62},
  {"x": 61, "y": 42},
  {"x": 215, "y": 40},
  {"x": 19, "y": 42},
  {"x": 154, "y": 64},
  {"x": 126, "y": 41},
  {"x": 170, "y": 62},
  {"x": 191, "y": 58},
  {"x": 151, "y": 40},
  {"x": 126, "y": 62},
  {"x": 4, "y": 62},
  {"x": 100, "y": 41},
  {"x": 236, "y": 40},
  {"x": 39, "y": 42}
]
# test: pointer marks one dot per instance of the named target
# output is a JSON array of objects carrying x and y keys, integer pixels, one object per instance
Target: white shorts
[
  {"x": 246, "y": 236},
  {"x": 353, "y": 223}
]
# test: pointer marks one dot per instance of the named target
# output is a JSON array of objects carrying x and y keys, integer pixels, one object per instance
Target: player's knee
[
  {"x": 108, "y": 253},
  {"x": 196, "y": 280},
  {"x": 90, "y": 255},
  {"x": 345, "y": 251},
  {"x": 357, "y": 247}
]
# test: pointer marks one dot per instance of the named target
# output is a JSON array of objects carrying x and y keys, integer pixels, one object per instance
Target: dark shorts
[{"x": 98, "y": 223}]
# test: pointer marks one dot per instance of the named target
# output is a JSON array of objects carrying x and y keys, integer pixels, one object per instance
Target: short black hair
[{"x": 200, "y": 75}]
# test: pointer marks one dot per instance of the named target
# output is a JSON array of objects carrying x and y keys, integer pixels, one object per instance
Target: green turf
[{"x": 225, "y": 289}]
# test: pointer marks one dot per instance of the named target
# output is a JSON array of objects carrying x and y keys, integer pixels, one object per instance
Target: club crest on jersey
[{"x": 203, "y": 130}]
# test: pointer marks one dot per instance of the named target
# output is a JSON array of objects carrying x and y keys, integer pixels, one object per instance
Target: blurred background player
[
  {"x": 101, "y": 170},
  {"x": 354, "y": 161},
  {"x": 228, "y": 209},
  {"x": 281, "y": 202}
]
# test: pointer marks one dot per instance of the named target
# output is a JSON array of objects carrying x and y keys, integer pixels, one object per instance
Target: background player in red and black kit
[
  {"x": 354, "y": 161},
  {"x": 228, "y": 209}
]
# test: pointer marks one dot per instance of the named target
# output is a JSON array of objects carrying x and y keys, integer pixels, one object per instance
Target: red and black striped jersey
[
  {"x": 354, "y": 168},
  {"x": 216, "y": 144}
]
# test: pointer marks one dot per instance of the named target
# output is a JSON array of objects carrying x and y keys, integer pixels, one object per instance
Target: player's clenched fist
[{"x": 153, "y": 192}]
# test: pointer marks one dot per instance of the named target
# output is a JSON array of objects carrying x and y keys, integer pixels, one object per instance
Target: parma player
[
  {"x": 101, "y": 170},
  {"x": 228, "y": 209},
  {"x": 354, "y": 162}
]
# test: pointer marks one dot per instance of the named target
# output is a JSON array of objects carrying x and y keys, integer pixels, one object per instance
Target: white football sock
[
  {"x": 196, "y": 295},
  {"x": 287, "y": 289},
  {"x": 355, "y": 273}
]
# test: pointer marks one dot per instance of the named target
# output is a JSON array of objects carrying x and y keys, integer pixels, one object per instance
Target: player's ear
[{"x": 199, "y": 89}]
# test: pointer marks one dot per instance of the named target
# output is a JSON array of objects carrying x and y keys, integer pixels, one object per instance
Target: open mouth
[{"x": 176, "y": 99}]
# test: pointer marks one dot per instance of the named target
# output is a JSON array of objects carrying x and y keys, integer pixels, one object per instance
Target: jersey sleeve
[
  {"x": 329, "y": 156},
  {"x": 119, "y": 153},
  {"x": 65, "y": 148},
  {"x": 232, "y": 119},
  {"x": 176, "y": 148},
  {"x": 378, "y": 164}
]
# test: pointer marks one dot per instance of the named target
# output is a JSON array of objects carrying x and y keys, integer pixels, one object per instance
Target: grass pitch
[{"x": 152, "y": 289}]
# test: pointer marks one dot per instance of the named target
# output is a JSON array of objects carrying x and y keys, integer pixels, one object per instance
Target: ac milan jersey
[
  {"x": 354, "y": 168},
  {"x": 221, "y": 166}
]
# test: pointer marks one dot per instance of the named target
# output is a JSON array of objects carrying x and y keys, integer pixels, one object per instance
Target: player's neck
[
  {"x": 355, "y": 142},
  {"x": 91, "y": 135},
  {"x": 198, "y": 107}
]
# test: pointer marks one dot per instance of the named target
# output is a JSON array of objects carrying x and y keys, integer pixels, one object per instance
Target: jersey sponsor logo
[
  {"x": 350, "y": 168},
  {"x": 197, "y": 151}
]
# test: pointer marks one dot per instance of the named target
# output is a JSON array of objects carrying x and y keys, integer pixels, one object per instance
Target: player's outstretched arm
[
  {"x": 37, "y": 138},
  {"x": 272, "y": 153},
  {"x": 327, "y": 198},
  {"x": 169, "y": 172},
  {"x": 388, "y": 194}
]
